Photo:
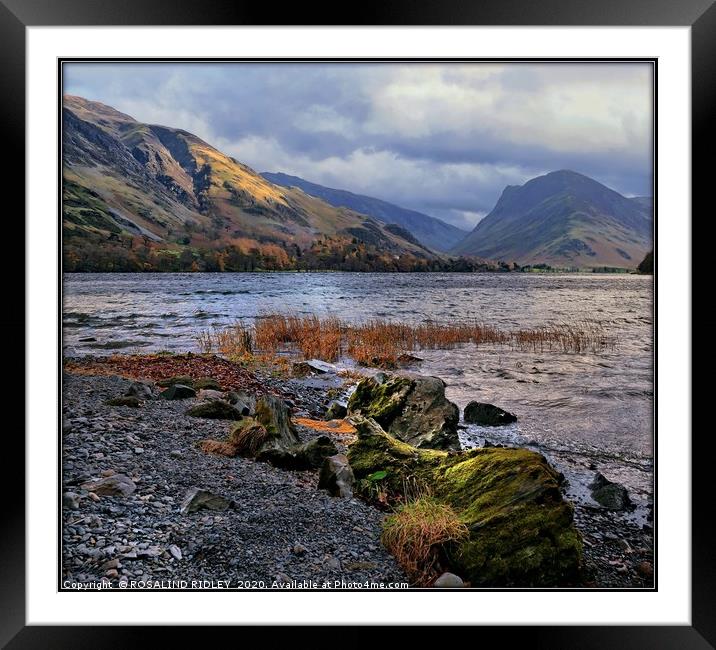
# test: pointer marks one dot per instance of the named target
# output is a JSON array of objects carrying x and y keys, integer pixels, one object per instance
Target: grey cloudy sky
[{"x": 444, "y": 139}]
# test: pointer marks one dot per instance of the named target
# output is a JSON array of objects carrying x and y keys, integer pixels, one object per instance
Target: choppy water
[{"x": 584, "y": 411}]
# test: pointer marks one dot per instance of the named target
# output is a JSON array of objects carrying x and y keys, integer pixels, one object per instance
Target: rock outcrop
[
  {"x": 413, "y": 408},
  {"x": 521, "y": 531}
]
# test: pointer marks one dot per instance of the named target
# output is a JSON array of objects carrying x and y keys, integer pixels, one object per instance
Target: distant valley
[{"x": 434, "y": 233}]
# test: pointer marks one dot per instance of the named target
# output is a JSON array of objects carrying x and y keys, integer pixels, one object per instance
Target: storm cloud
[{"x": 444, "y": 139}]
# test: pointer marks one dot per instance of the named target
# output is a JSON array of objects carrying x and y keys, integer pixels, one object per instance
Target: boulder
[
  {"x": 336, "y": 476},
  {"x": 198, "y": 499},
  {"x": 274, "y": 414},
  {"x": 215, "y": 409},
  {"x": 312, "y": 367},
  {"x": 185, "y": 380},
  {"x": 206, "y": 383},
  {"x": 140, "y": 389},
  {"x": 413, "y": 408},
  {"x": 309, "y": 455},
  {"x": 270, "y": 434},
  {"x": 336, "y": 411},
  {"x": 487, "y": 415},
  {"x": 242, "y": 401},
  {"x": 178, "y": 391},
  {"x": 521, "y": 530},
  {"x": 115, "y": 485},
  {"x": 612, "y": 496},
  {"x": 126, "y": 400}
]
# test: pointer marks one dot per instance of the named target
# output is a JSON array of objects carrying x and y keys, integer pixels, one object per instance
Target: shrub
[{"x": 416, "y": 534}]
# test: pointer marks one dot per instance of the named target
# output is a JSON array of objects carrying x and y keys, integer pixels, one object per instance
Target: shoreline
[{"x": 616, "y": 551}]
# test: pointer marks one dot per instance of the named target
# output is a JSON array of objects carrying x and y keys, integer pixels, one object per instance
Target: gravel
[{"x": 280, "y": 531}]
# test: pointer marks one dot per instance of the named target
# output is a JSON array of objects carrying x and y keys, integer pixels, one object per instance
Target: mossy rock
[
  {"x": 184, "y": 380},
  {"x": 215, "y": 409},
  {"x": 381, "y": 401},
  {"x": 205, "y": 383},
  {"x": 178, "y": 391},
  {"x": 412, "y": 408},
  {"x": 269, "y": 435},
  {"x": 521, "y": 529},
  {"x": 126, "y": 400}
]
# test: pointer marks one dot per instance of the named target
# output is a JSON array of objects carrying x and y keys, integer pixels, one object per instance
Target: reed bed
[{"x": 382, "y": 343}]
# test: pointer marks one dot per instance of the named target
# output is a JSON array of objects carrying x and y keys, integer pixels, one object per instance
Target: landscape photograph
[{"x": 357, "y": 325}]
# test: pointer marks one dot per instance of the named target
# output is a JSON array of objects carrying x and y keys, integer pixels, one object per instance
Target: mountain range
[
  {"x": 563, "y": 219},
  {"x": 434, "y": 233},
  {"x": 140, "y": 196}
]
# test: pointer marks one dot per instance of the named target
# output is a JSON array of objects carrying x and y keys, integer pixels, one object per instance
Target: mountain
[
  {"x": 644, "y": 201},
  {"x": 433, "y": 232},
  {"x": 146, "y": 197},
  {"x": 563, "y": 219}
]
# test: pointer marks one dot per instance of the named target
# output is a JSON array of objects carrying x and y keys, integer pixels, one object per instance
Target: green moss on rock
[
  {"x": 381, "y": 401},
  {"x": 521, "y": 529},
  {"x": 206, "y": 383}
]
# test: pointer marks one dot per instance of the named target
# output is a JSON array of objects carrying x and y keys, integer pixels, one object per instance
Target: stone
[
  {"x": 645, "y": 570},
  {"x": 175, "y": 552},
  {"x": 270, "y": 435},
  {"x": 521, "y": 531},
  {"x": 413, "y": 408},
  {"x": 336, "y": 411},
  {"x": 207, "y": 383},
  {"x": 336, "y": 476},
  {"x": 198, "y": 499},
  {"x": 612, "y": 496},
  {"x": 71, "y": 500},
  {"x": 140, "y": 390},
  {"x": 115, "y": 485},
  {"x": 306, "y": 456},
  {"x": 214, "y": 410},
  {"x": 406, "y": 359},
  {"x": 449, "y": 580},
  {"x": 185, "y": 380},
  {"x": 487, "y": 415},
  {"x": 210, "y": 394},
  {"x": 242, "y": 402},
  {"x": 175, "y": 453},
  {"x": 312, "y": 366},
  {"x": 125, "y": 400},
  {"x": 178, "y": 391}
]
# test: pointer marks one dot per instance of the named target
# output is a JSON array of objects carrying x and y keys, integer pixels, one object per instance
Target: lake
[{"x": 585, "y": 411}]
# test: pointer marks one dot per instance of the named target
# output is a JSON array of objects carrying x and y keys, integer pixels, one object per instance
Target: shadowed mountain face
[
  {"x": 563, "y": 219},
  {"x": 433, "y": 233},
  {"x": 144, "y": 195}
]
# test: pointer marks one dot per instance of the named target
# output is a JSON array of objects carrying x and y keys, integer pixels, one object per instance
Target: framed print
[{"x": 381, "y": 324}]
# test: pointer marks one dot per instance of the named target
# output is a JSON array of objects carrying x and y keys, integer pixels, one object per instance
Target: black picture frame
[{"x": 16, "y": 15}]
